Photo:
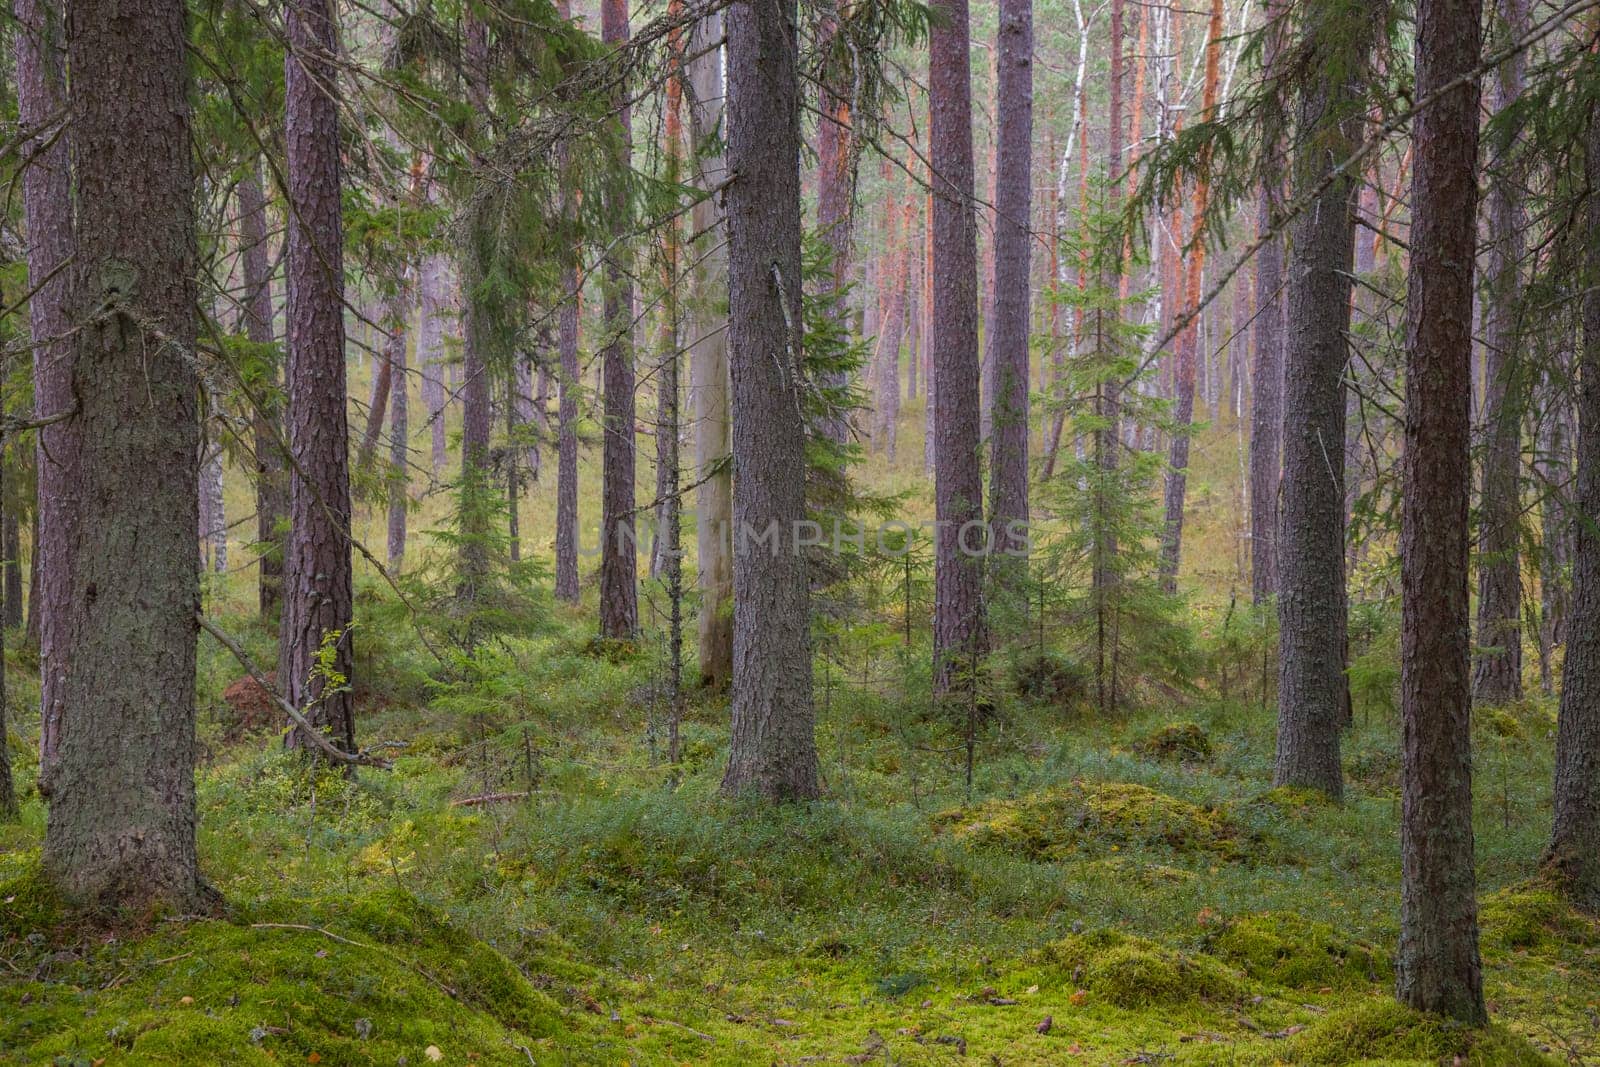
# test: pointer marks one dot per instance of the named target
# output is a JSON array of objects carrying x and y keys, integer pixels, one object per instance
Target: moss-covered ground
[{"x": 1109, "y": 892}]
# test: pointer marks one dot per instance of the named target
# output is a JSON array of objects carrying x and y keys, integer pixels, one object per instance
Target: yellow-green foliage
[
  {"x": 1132, "y": 972},
  {"x": 1534, "y": 918},
  {"x": 366, "y": 980},
  {"x": 1185, "y": 742},
  {"x": 1289, "y": 950},
  {"x": 1057, "y": 823},
  {"x": 1381, "y": 1029}
]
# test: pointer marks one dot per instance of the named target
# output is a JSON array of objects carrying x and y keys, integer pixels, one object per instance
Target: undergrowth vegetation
[{"x": 533, "y": 882}]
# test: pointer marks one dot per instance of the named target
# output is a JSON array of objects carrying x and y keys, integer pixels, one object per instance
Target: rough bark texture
[
  {"x": 1574, "y": 852},
  {"x": 1497, "y": 677},
  {"x": 272, "y": 504},
  {"x": 213, "y": 528},
  {"x": 772, "y": 749},
  {"x": 619, "y": 555},
  {"x": 1439, "y": 969},
  {"x": 708, "y": 365},
  {"x": 959, "y": 628},
  {"x": 1310, "y": 563},
  {"x": 1266, "y": 375},
  {"x": 1013, "y": 245},
  {"x": 47, "y": 208},
  {"x": 317, "y": 573},
  {"x": 1553, "y": 462},
  {"x": 122, "y": 813}
]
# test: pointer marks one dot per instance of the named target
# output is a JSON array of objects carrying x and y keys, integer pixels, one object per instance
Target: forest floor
[
  {"x": 1113, "y": 891},
  {"x": 1116, "y": 892}
]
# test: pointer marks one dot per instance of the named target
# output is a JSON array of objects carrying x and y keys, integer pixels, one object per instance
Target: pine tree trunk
[
  {"x": 1574, "y": 853},
  {"x": 1439, "y": 969},
  {"x": 47, "y": 208},
  {"x": 1189, "y": 340},
  {"x": 8, "y": 789},
  {"x": 435, "y": 287},
  {"x": 1310, "y": 564},
  {"x": 213, "y": 529},
  {"x": 836, "y": 182},
  {"x": 1013, "y": 245},
  {"x": 1554, "y": 465},
  {"x": 619, "y": 553},
  {"x": 266, "y": 417},
  {"x": 709, "y": 383},
  {"x": 11, "y": 536},
  {"x": 1266, "y": 375},
  {"x": 567, "y": 441},
  {"x": 1497, "y": 678},
  {"x": 317, "y": 599},
  {"x": 399, "y": 427},
  {"x": 960, "y": 628},
  {"x": 772, "y": 749},
  {"x": 122, "y": 812}
]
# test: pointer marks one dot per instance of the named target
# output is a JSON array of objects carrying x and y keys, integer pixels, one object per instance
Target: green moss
[
  {"x": 1534, "y": 918},
  {"x": 30, "y": 905},
  {"x": 1382, "y": 1029},
  {"x": 1289, "y": 950},
  {"x": 1057, "y": 823},
  {"x": 1133, "y": 972},
  {"x": 381, "y": 978},
  {"x": 1184, "y": 742}
]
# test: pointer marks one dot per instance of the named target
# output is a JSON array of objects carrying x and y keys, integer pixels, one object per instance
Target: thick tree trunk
[
  {"x": 122, "y": 812},
  {"x": 1266, "y": 375},
  {"x": 1497, "y": 678},
  {"x": 1439, "y": 969},
  {"x": 619, "y": 553},
  {"x": 1310, "y": 565},
  {"x": 1013, "y": 245},
  {"x": 708, "y": 364},
  {"x": 1574, "y": 853},
  {"x": 272, "y": 503},
  {"x": 1554, "y": 465},
  {"x": 317, "y": 600},
  {"x": 960, "y": 635},
  {"x": 47, "y": 208},
  {"x": 772, "y": 750}
]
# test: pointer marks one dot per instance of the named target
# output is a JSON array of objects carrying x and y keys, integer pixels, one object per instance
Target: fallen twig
[{"x": 486, "y": 798}]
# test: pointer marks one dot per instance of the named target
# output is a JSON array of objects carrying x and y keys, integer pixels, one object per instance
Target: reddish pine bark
[
  {"x": 121, "y": 829},
  {"x": 1013, "y": 245},
  {"x": 772, "y": 749},
  {"x": 619, "y": 557},
  {"x": 1439, "y": 969},
  {"x": 47, "y": 210},
  {"x": 1189, "y": 339},
  {"x": 959, "y": 629},
  {"x": 317, "y": 574}
]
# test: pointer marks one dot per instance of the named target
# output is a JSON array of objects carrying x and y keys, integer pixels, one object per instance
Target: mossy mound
[
  {"x": 378, "y": 979},
  {"x": 1534, "y": 918},
  {"x": 1132, "y": 972},
  {"x": 1058, "y": 823},
  {"x": 1182, "y": 742},
  {"x": 1289, "y": 950},
  {"x": 1051, "y": 679},
  {"x": 1381, "y": 1029}
]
